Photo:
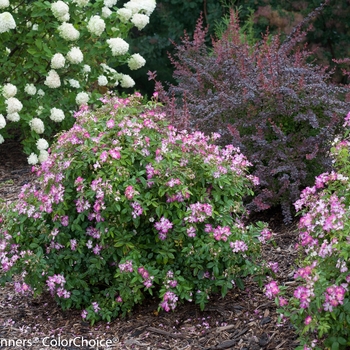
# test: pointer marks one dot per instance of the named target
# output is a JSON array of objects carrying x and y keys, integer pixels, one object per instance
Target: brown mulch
[{"x": 245, "y": 320}]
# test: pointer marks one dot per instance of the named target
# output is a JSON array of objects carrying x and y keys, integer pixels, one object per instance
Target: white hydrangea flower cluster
[
  {"x": 136, "y": 61},
  {"x": 43, "y": 156},
  {"x": 106, "y": 12},
  {"x": 32, "y": 159},
  {"x": 82, "y": 98},
  {"x": 109, "y": 3},
  {"x": 57, "y": 115},
  {"x": 13, "y": 105},
  {"x": 53, "y": 80},
  {"x": 81, "y": 3},
  {"x": 96, "y": 25},
  {"x": 9, "y": 90},
  {"x": 127, "y": 82},
  {"x": 30, "y": 89},
  {"x": 37, "y": 125},
  {"x": 139, "y": 20},
  {"x": 4, "y": 4},
  {"x": 74, "y": 83},
  {"x": 60, "y": 10},
  {"x": 118, "y": 46},
  {"x": 2, "y": 121},
  {"x": 124, "y": 14},
  {"x": 42, "y": 144},
  {"x": 68, "y": 32},
  {"x": 102, "y": 80},
  {"x": 57, "y": 61},
  {"x": 75, "y": 56},
  {"x": 144, "y": 6},
  {"x": 6, "y": 22}
]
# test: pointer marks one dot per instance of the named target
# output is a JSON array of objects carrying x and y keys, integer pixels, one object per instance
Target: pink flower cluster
[
  {"x": 169, "y": 301},
  {"x": 56, "y": 283},
  {"x": 145, "y": 275},
  {"x": 238, "y": 246},
  {"x": 199, "y": 212},
  {"x": 271, "y": 289},
  {"x": 334, "y": 296},
  {"x": 163, "y": 226},
  {"x": 304, "y": 295},
  {"x": 126, "y": 267}
]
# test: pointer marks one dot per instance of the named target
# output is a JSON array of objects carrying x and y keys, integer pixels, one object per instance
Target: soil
[{"x": 245, "y": 320}]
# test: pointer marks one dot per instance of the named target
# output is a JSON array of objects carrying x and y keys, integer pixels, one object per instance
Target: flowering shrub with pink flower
[
  {"x": 126, "y": 208},
  {"x": 319, "y": 307}
]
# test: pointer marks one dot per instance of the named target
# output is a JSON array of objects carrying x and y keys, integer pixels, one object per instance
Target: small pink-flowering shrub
[
  {"x": 127, "y": 208},
  {"x": 319, "y": 307}
]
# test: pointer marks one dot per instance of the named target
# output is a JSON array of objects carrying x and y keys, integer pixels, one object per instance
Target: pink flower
[
  {"x": 307, "y": 320},
  {"x": 271, "y": 289},
  {"x": 129, "y": 192}
]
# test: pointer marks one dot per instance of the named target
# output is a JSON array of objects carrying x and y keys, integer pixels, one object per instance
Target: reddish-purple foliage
[{"x": 266, "y": 99}]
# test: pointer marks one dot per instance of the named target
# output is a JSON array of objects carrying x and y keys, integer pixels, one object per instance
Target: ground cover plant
[
  {"x": 128, "y": 208},
  {"x": 265, "y": 98},
  {"x": 58, "y": 55},
  {"x": 319, "y": 306}
]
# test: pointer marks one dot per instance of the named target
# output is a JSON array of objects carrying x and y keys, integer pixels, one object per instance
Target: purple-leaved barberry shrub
[
  {"x": 266, "y": 99},
  {"x": 128, "y": 207},
  {"x": 319, "y": 306}
]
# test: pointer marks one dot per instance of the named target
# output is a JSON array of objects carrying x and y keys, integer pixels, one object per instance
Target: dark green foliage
[{"x": 266, "y": 99}]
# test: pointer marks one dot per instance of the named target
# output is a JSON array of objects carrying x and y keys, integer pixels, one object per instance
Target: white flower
[
  {"x": 146, "y": 6},
  {"x": 102, "y": 80},
  {"x": 57, "y": 61},
  {"x": 33, "y": 159},
  {"x": 42, "y": 144},
  {"x": 57, "y": 115},
  {"x": 136, "y": 61},
  {"x": 68, "y": 32},
  {"x": 86, "y": 68},
  {"x": 13, "y": 105},
  {"x": 60, "y": 10},
  {"x": 43, "y": 156},
  {"x": 118, "y": 46},
  {"x": 30, "y": 89},
  {"x": 139, "y": 20},
  {"x": 1, "y": 139},
  {"x": 106, "y": 12},
  {"x": 4, "y": 3},
  {"x": 109, "y": 3},
  {"x": 53, "y": 80},
  {"x": 81, "y": 3},
  {"x": 75, "y": 55},
  {"x": 2, "y": 121},
  {"x": 39, "y": 110},
  {"x": 74, "y": 83},
  {"x": 13, "y": 117},
  {"x": 96, "y": 25},
  {"x": 35, "y": 26},
  {"x": 124, "y": 14},
  {"x": 6, "y": 22},
  {"x": 9, "y": 90},
  {"x": 82, "y": 98},
  {"x": 127, "y": 81},
  {"x": 37, "y": 125},
  {"x": 41, "y": 93}
]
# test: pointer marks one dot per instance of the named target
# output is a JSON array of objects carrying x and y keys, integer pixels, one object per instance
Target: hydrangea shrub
[
  {"x": 125, "y": 208},
  {"x": 319, "y": 307},
  {"x": 264, "y": 98},
  {"x": 59, "y": 55}
]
